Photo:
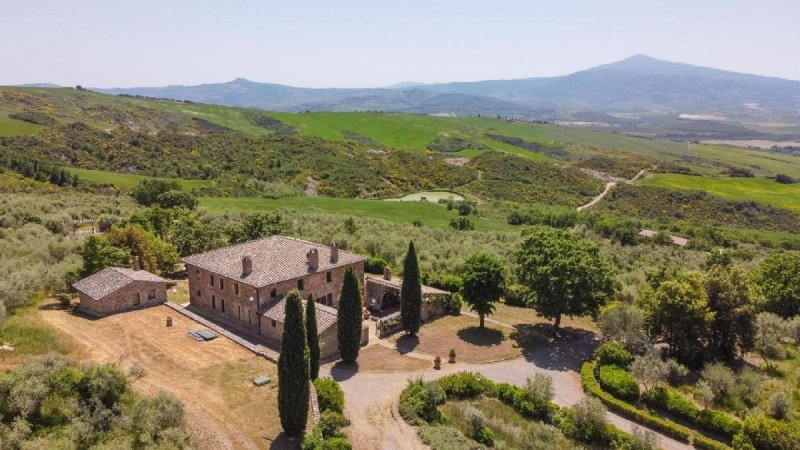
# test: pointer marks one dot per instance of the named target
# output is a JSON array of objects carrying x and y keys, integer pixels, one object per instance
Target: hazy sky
[{"x": 115, "y": 43}]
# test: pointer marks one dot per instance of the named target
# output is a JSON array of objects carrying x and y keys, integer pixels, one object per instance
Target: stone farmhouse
[
  {"x": 244, "y": 286},
  {"x": 117, "y": 289},
  {"x": 383, "y": 296}
]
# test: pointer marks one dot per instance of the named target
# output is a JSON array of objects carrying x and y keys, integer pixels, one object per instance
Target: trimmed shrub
[
  {"x": 331, "y": 424},
  {"x": 446, "y": 438},
  {"x": 418, "y": 402},
  {"x": 667, "y": 427},
  {"x": 703, "y": 443},
  {"x": 466, "y": 385},
  {"x": 710, "y": 420},
  {"x": 329, "y": 395},
  {"x": 336, "y": 443},
  {"x": 519, "y": 399},
  {"x": 619, "y": 383},
  {"x": 375, "y": 265},
  {"x": 613, "y": 354},
  {"x": 764, "y": 433}
]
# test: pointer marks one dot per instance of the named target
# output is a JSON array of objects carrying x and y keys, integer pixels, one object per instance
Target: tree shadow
[
  {"x": 568, "y": 351},
  {"x": 284, "y": 442},
  {"x": 342, "y": 371},
  {"x": 482, "y": 337},
  {"x": 407, "y": 344}
]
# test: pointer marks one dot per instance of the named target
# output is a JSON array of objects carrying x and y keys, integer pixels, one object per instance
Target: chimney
[
  {"x": 387, "y": 273},
  {"x": 313, "y": 259},
  {"x": 137, "y": 265},
  {"x": 334, "y": 252},
  {"x": 247, "y": 266}
]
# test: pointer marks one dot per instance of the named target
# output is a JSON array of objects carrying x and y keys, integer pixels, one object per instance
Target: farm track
[{"x": 609, "y": 186}]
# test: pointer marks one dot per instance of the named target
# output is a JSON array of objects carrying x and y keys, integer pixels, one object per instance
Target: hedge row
[
  {"x": 710, "y": 420},
  {"x": 467, "y": 385},
  {"x": 619, "y": 383},
  {"x": 590, "y": 385},
  {"x": 703, "y": 443}
]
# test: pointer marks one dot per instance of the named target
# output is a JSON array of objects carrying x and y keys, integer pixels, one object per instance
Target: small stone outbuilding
[
  {"x": 117, "y": 289},
  {"x": 383, "y": 296}
]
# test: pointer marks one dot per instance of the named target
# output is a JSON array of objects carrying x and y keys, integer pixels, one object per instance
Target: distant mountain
[
  {"x": 639, "y": 84},
  {"x": 276, "y": 97},
  {"x": 39, "y": 85},
  {"x": 643, "y": 84}
]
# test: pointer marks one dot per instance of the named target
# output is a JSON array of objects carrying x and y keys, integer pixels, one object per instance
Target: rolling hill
[{"x": 639, "y": 84}]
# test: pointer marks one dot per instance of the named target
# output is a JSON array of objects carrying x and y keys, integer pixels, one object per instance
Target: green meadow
[
  {"x": 760, "y": 190},
  {"x": 130, "y": 180},
  {"x": 429, "y": 214},
  {"x": 14, "y": 127}
]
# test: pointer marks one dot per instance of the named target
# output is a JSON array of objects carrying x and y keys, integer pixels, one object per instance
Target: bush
[
  {"x": 336, "y": 443},
  {"x": 764, "y": 433},
  {"x": 329, "y": 395},
  {"x": 375, "y": 265},
  {"x": 519, "y": 399},
  {"x": 418, "y": 402},
  {"x": 703, "y": 443},
  {"x": 516, "y": 295},
  {"x": 613, "y": 354},
  {"x": 331, "y": 423},
  {"x": 452, "y": 304},
  {"x": 721, "y": 379},
  {"x": 619, "y": 383},
  {"x": 627, "y": 410},
  {"x": 465, "y": 385}
]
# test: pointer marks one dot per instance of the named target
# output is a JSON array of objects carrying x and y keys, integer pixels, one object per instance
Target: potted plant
[
  {"x": 452, "y": 356},
  {"x": 437, "y": 362}
]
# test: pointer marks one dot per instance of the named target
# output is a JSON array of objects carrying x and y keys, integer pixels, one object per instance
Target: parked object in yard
[
  {"x": 262, "y": 380},
  {"x": 202, "y": 335}
]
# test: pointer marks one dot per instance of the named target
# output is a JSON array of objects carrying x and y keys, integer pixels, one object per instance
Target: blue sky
[{"x": 115, "y": 43}]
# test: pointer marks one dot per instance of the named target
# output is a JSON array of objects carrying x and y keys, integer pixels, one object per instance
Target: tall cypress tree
[
  {"x": 312, "y": 337},
  {"x": 293, "y": 375},
  {"x": 411, "y": 293},
  {"x": 350, "y": 317}
]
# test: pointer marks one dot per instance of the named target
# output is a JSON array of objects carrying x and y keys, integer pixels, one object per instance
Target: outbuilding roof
[
  {"x": 326, "y": 315},
  {"x": 274, "y": 259},
  {"x": 397, "y": 283},
  {"x": 112, "y": 279}
]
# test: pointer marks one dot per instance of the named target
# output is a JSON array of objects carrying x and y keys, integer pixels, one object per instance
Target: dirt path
[
  {"x": 369, "y": 395},
  {"x": 609, "y": 185},
  {"x": 211, "y": 378}
]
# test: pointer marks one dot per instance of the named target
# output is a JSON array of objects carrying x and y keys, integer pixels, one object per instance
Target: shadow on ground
[
  {"x": 407, "y": 344},
  {"x": 342, "y": 371},
  {"x": 284, "y": 442},
  {"x": 567, "y": 352},
  {"x": 482, "y": 337}
]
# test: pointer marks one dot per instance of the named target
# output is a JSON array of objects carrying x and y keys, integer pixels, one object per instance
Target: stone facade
[{"x": 137, "y": 294}]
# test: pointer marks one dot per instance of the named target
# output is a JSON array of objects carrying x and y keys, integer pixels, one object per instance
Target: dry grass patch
[
  {"x": 517, "y": 315},
  {"x": 379, "y": 358},
  {"x": 178, "y": 291},
  {"x": 213, "y": 379},
  {"x": 461, "y": 333}
]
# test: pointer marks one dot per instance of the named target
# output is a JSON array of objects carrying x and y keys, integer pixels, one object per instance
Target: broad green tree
[
  {"x": 483, "y": 283},
  {"x": 567, "y": 274},
  {"x": 624, "y": 323},
  {"x": 777, "y": 276},
  {"x": 98, "y": 253},
  {"x": 411, "y": 293},
  {"x": 682, "y": 317},
  {"x": 312, "y": 337},
  {"x": 731, "y": 298},
  {"x": 350, "y": 317},
  {"x": 154, "y": 254},
  {"x": 256, "y": 226},
  {"x": 148, "y": 190},
  {"x": 293, "y": 369},
  {"x": 177, "y": 199}
]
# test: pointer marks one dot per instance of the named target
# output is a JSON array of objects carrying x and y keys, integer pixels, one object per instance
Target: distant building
[
  {"x": 245, "y": 285},
  {"x": 117, "y": 289}
]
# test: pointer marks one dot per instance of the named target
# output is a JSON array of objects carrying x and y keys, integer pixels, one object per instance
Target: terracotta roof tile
[
  {"x": 397, "y": 283},
  {"x": 274, "y": 259},
  {"x": 112, "y": 279},
  {"x": 326, "y": 316}
]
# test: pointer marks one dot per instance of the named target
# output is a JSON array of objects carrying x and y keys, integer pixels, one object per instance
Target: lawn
[
  {"x": 130, "y": 180},
  {"x": 761, "y": 190},
  {"x": 431, "y": 215},
  {"x": 516, "y": 315},
  {"x": 462, "y": 334},
  {"x": 24, "y": 329},
  {"x": 212, "y": 379}
]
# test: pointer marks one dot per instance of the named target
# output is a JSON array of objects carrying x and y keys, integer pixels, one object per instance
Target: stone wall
[{"x": 138, "y": 294}]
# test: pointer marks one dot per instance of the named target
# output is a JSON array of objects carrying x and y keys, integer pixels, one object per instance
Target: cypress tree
[
  {"x": 293, "y": 375},
  {"x": 312, "y": 337},
  {"x": 349, "y": 319},
  {"x": 411, "y": 293}
]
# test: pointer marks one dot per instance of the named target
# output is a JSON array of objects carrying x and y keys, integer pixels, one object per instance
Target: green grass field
[
  {"x": 14, "y": 127},
  {"x": 760, "y": 190},
  {"x": 130, "y": 180},
  {"x": 431, "y": 215}
]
